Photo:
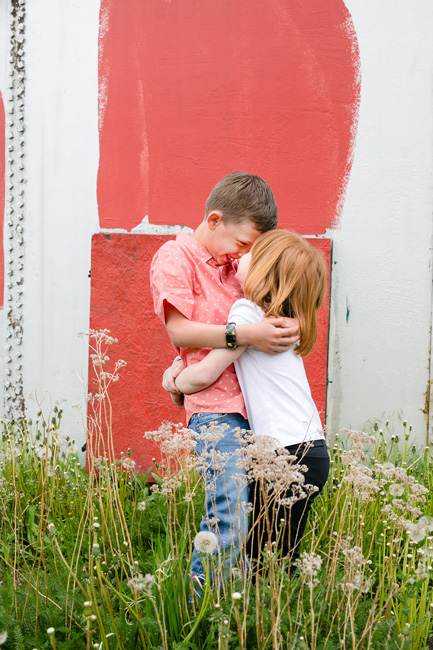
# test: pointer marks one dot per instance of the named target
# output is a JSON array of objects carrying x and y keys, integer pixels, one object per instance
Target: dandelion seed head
[
  {"x": 43, "y": 452},
  {"x": 128, "y": 463},
  {"x": 415, "y": 532},
  {"x": 205, "y": 542},
  {"x": 396, "y": 490},
  {"x": 426, "y": 522}
]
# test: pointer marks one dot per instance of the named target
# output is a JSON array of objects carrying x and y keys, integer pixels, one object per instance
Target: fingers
[
  {"x": 168, "y": 382},
  {"x": 292, "y": 324},
  {"x": 177, "y": 369},
  {"x": 169, "y": 377},
  {"x": 283, "y": 344},
  {"x": 277, "y": 349},
  {"x": 280, "y": 321}
]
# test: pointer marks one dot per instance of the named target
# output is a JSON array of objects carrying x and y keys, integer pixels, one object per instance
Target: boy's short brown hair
[{"x": 242, "y": 196}]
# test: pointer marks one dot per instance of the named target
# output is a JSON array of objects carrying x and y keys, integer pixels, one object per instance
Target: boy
[{"x": 193, "y": 284}]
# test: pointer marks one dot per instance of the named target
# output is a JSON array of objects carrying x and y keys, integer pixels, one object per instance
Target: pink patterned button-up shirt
[{"x": 185, "y": 275}]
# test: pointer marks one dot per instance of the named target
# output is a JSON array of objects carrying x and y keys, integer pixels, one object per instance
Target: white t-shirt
[{"x": 275, "y": 388}]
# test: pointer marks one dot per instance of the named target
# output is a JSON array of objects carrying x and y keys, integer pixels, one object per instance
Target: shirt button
[{"x": 235, "y": 293}]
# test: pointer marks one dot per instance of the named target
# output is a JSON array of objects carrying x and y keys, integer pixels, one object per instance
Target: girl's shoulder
[{"x": 245, "y": 311}]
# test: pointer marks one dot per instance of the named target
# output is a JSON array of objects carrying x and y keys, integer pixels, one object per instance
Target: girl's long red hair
[{"x": 287, "y": 277}]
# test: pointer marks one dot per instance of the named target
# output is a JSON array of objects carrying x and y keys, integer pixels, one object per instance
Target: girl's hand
[{"x": 272, "y": 335}]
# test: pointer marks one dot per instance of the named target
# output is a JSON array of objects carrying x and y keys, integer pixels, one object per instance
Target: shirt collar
[
  {"x": 187, "y": 241},
  {"x": 200, "y": 252}
]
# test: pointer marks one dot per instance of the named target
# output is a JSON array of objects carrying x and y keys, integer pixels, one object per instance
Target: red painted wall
[
  {"x": 122, "y": 303},
  {"x": 188, "y": 92},
  {"x": 2, "y": 197}
]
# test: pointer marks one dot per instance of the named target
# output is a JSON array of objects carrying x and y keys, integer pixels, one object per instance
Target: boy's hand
[
  {"x": 274, "y": 335},
  {"x": 178, "y": 400},
  {"x": 169, "y": 376}
]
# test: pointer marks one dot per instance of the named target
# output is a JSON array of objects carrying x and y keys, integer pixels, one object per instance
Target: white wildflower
[
  {"x": 360, "y": 437},
  {"x": 61, "y": 438},
  {"x": 309, "y": 564},
  {"x": 426, "y": 522},
  {"x": 128, "y": 463},
  {"x": 142, "y": 583},
  {"x": 141, "y": 505},
  {"x": 415, "y": 532},
  {"x": 422, "y": 571},
  {"x": 428, "y": 551},
  {"x": 43, "y": 452},
  {"x": 206, "y": 542},
  {"x": 353, "y": 555},
  {"x": 396, "y": 490}
]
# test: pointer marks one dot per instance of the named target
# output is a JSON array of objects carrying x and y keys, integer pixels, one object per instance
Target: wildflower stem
[{"x": 205, "y": 599}]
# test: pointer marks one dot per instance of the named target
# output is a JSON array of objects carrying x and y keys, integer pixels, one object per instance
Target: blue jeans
[{"x": 226, "y": 488}]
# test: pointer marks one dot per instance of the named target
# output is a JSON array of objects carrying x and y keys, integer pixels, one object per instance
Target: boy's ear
[{"x": 214, "y": 218}]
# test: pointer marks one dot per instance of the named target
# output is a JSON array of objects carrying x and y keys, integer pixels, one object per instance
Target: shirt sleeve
[
  {"x": 172, "y": 281},
  {"x": 245, "y": 312}
]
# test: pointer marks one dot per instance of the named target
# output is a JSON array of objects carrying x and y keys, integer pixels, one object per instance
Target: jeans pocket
[{"x": 204, "y": 419}]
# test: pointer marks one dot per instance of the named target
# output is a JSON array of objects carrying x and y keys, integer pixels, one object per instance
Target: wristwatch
[{"x": 231, "y": 336}]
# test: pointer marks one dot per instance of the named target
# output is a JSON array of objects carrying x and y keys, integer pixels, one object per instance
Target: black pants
[{"x": 287, "y": 533}]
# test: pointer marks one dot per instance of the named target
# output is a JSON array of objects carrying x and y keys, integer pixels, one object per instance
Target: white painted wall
[
  {"x": 382, "y": 246},
  {"x": 62, "y": 164}
]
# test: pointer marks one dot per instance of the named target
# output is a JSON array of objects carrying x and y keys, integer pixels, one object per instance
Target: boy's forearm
[
  {"x": 189, "y": 334},
  {"x": 185, "y": 333}
]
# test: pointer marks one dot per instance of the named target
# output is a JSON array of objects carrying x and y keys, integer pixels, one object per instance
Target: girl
[{"x": 283, "y": 275}]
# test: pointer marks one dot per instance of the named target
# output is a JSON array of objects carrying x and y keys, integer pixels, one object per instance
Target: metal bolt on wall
[{"x": 15, "y": 204}]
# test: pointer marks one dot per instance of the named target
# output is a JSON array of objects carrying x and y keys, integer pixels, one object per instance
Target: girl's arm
[{"x": 200, "y": 375}]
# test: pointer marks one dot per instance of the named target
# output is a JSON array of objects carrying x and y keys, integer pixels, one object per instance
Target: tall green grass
[{"x": 100, "y": 557}]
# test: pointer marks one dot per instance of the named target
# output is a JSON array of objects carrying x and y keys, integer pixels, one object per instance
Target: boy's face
[{"x": 227, "y": 242}]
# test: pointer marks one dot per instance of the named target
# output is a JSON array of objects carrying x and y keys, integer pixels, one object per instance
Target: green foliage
[
  {"x": 68, "y": 537},
  {"x": 102, "y": 555}
]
